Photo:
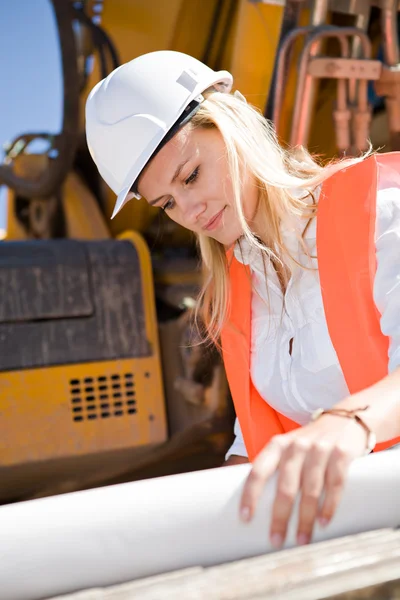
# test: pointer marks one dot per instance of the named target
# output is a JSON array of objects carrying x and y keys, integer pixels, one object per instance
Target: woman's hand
[{"x": 310, "y": 460}]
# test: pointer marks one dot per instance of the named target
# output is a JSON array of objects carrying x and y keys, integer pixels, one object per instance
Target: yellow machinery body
[
  {"x": 77, "y": 411},
  {"x": 79, "y": 416}
]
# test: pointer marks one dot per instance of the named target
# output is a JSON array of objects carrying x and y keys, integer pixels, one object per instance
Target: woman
[{"x": 302, "y": 271}]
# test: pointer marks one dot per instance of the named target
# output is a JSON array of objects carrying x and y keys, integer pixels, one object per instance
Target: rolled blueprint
[{"x": 114, "y": 534}]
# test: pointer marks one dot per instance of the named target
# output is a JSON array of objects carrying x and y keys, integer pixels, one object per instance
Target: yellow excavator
[{"x": 101, "y": 377}]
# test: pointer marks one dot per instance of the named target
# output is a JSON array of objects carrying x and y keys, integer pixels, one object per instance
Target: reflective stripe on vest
[{"x": 347, "y": 265}]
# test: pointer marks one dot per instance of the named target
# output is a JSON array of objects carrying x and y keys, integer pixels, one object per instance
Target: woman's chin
[
  {"x": 227, "y": 236},
  {"x": 226, "y": 240}
]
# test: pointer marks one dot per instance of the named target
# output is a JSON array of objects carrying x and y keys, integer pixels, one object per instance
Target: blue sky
[{"x": 31, "y": 96}]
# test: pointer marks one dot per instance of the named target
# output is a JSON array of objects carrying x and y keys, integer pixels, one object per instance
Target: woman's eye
[
  {"x": 191, "y": 179},
  {"x": 193, "y": 176},
  {"x": 168, "y": 205}
]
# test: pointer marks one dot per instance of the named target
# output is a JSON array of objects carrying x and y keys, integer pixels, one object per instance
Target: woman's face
[{"x": 189, "y": 179}]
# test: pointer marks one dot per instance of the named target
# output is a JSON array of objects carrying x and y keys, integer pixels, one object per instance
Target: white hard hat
[{"x": 140, "y": 105}]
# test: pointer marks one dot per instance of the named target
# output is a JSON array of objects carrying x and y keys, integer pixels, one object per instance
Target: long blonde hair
[{"x": 252, "y": 147}]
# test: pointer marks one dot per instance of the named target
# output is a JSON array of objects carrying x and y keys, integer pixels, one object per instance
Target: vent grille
[{"x": 102, "y": 397}]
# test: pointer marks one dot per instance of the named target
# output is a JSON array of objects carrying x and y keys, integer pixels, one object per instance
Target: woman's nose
[{"x": 192, "y": 209}]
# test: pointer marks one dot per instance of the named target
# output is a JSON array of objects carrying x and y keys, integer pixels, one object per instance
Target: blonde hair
[{"x": 252, "y": 147}]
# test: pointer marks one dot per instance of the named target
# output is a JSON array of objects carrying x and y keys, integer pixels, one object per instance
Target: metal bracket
[
  {"x": 345, "y": 68},
  {"x": 350, "y": 7}
]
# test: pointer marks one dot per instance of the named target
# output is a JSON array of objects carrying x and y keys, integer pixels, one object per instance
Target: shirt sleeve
[
  {"x": 238, "y": 447},
  {"x": 387, "y": 278}
]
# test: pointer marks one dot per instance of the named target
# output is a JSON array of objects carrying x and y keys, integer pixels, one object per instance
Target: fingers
[
  {"x": 306, "y": 466},
  {"x": 335, "y": 477},
  {"x": 263, "y": 467},
  {"x": 312, "y": 485},
  {"x": 288, "y": 485}
]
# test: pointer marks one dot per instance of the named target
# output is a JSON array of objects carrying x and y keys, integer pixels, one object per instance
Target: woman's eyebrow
[
  {"x": 179, "y": 169},
  {"x": 177, "y": 173}
]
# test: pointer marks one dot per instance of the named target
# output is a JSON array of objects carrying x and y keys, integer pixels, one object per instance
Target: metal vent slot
[{"x": 102, "y": 397}]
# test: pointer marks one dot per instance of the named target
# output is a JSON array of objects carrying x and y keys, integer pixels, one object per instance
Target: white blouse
[{"x": 311, "y": 377}]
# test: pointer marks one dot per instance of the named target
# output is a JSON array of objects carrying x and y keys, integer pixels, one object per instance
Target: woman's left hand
[{"x": 310, "y": 460}]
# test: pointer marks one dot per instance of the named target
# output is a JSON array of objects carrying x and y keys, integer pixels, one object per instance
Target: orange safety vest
[{"x": 347, "y": 265}]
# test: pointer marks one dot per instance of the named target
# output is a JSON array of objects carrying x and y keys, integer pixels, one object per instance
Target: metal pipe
[
  {"x": 391, "y": 57},
  {"x": 342, "y": 95},
  {"x": 318, "y": 17},
  {"x": 362, "y": 95},
  {"x": 280, "y": 72},
  {"x": 361, "y": 10},
  {"x": 342, "y": 113},
  {"x": 361, "y": 128},
  {"x": 319, "y": 12},
  {"x": 389, "y": 30},
  {"x": 299, "y": 126},
  {"x": 361, "y": 23}
]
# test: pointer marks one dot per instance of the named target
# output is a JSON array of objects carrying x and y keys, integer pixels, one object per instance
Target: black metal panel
[
  {"x": 43, "y": 281},
  {"x": 65, "y": 301}
]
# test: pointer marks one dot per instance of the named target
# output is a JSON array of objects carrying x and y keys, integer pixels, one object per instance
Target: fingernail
[
  {"x": 323, "y": 521},
  {"x": 276, "y": 540},
  {"x": 303, "y": 539},
  {"x": 245, "y": 513}
]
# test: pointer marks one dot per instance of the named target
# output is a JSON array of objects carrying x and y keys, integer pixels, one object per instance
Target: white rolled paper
[{"x": 114, "y": 534}]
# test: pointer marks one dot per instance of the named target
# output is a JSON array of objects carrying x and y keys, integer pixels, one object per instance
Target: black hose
[
  {"x": 212, "y": 32},
  {"x": 225, "y": 33},
  {"x": 101, "y": 41}
]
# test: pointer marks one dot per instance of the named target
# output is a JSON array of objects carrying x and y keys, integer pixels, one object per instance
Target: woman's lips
[{"x": 214, "y": 222}]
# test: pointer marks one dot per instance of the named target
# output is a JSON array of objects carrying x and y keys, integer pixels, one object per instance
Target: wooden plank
[{"x": 336, "y": 569}]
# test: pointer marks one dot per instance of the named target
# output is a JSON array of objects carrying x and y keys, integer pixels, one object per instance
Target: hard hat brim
[{"x": 224, "y": 80}]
